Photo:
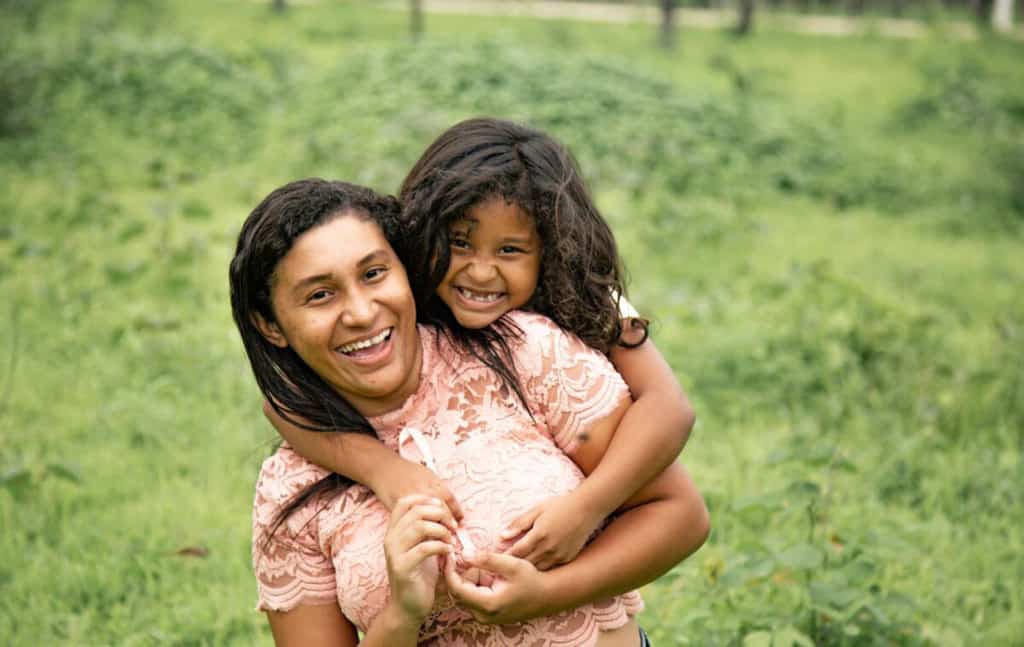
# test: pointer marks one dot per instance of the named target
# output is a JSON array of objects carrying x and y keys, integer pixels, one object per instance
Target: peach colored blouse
[{"x": 496, "y": 460}]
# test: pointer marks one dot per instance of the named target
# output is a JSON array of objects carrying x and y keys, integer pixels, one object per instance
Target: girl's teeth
[
  {"x": 489, "y": 297},
  {"x": 366, "y": 343}
]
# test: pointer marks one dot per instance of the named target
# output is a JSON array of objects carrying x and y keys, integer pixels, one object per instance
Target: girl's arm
[
  {"x": 664, "y": 523},
  {"x": 618, "y": 461},
  {"x": 365, "y": 460}
]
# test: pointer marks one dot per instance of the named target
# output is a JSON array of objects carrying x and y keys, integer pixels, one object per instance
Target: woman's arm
[
  {"x": 416, "y": 539},
  {"x": 664, "y": 523},
  {"x": 365, "y": 460}
]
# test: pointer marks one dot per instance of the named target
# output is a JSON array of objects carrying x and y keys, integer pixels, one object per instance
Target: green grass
[{"x": 826, "y": 231}]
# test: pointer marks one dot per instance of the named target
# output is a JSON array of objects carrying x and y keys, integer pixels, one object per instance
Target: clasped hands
[{"x": 497, "y": 588}]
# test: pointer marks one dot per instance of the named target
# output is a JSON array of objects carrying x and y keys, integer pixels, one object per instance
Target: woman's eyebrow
[
  {"x": 375, "y": 255},
  {"x": 310, "y": 280}
]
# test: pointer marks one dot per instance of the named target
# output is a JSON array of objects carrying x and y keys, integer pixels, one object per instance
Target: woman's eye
[
  {"x": 319, "y": 295},
  {"x": 375, "y": 273}
]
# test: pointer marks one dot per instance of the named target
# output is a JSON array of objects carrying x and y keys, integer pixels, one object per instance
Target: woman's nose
[{"x": 359, "y": 312}]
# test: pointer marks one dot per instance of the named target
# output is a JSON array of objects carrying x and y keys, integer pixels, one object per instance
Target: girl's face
[
  {"x": 342, "y": 302},
  {"x": 495, "y": 263}
]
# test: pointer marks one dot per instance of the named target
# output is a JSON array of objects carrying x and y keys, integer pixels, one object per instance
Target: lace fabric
[{"x": 498, "y": 461}]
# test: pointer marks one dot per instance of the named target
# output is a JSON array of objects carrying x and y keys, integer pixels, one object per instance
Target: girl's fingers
[
  {"x": 522, "y": 523},
  {"x": 527, "y": 546}
]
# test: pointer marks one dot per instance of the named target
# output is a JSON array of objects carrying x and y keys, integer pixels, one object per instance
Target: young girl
[{"x": 497, "y": 217}]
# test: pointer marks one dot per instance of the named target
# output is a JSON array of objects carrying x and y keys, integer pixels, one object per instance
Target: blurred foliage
[{"x": 836, "y": 281}]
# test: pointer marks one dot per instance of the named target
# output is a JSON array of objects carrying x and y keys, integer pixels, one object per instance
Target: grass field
[{"x": 827, "y": 232}]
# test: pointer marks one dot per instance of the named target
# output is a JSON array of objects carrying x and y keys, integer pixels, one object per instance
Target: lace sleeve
[
  {"x": 568, "y": 383},
  {"x": 291, "y": 567}
]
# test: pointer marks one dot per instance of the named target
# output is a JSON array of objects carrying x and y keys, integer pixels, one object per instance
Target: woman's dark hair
[
  {"x": 479, "y": 159},
  {"x": 291, "y": 387}
]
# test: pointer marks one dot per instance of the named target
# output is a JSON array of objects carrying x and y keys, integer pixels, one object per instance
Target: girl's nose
[{"x": 481, "y": 272}]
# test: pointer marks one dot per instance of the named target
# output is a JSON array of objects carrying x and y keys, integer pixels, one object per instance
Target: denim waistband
[{"x": 644, "y": 640}]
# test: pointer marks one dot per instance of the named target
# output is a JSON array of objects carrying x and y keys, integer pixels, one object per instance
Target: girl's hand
[
  {"x": 555, "y": 532},
  {"x": 399, "y": 478},
  {"x": 512, "y": 591},
  {"x": 417, "y": 537}
]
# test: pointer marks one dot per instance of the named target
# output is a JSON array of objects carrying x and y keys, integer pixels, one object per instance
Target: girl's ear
[{"x": 269, "y": 330}]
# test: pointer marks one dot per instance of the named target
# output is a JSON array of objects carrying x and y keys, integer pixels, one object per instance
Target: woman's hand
[
  {"x": 555, "y": 531},
  {"x": 512, "y": 590},
  {"x": 417, "y": 537}
]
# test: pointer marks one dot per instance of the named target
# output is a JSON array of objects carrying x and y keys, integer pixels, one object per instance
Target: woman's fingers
[
  {"x": 452, "y": 503},
  {"x": 415, "y": 520},
  {"x": 411, "y": 559},
  {"x": 439, "y": 511}
]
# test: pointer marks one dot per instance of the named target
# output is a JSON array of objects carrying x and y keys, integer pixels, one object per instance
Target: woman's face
[{"x": 342, "y": 302}]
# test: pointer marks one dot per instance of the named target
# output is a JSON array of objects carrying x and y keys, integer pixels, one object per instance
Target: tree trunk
[
  {"x": 667, "y": 33},
  {"x": 982, "y": 11},
  {"x": 855, "y": 7},
  {"x": 1002, "y": 16},
  {"x": 746, "y": 21},
  {"x": 279, "y": 5},
  {"x": 415, "y": 19}
]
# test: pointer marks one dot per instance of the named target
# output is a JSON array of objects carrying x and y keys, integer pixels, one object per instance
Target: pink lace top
[{"x": 496, "y": 459}]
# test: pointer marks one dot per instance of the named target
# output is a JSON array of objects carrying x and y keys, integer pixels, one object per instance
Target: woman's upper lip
[{"x": 366, "y": 337}]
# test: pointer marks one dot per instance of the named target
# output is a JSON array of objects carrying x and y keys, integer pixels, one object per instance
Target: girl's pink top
[{"x": 497, "y": 461}]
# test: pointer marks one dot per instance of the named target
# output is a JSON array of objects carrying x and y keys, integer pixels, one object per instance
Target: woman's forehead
[{"x": 346, "y": 242}]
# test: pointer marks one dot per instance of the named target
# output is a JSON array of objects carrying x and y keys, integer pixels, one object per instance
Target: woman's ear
[{"x": 269, "y": 330}]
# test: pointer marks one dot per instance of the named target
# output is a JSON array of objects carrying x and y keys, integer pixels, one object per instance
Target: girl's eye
[
  {"x": 509, "y": 249},
  {"x": 375, "y": 273},
  {"x": 460, "y": 243},
  {"x": 319, "y": 295}
]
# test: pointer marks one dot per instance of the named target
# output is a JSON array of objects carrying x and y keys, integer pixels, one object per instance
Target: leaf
[
  {"x": 758, "y": 639},
  {"x": 66, "y": 471},
  {"x": 196, "y": 210},
  {"x": 834, "y": 596},
  {"x": 193, "y": 551},
  {"x": 800, "y": 556},
  {"x": 790, "y": 636},
  {"x": 17, "y": 481}
]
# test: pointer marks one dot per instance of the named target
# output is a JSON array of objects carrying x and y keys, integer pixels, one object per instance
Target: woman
[{"x": 329, "y": 324}]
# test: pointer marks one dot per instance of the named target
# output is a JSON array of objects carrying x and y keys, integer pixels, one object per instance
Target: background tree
[
  {"x": 746, "y": 21},
  {"x": 280, "y": 5},
  {"x": 667, "y": 30},
  {"x": 415, "y": 19},
  {"x": 1002, "y": 15}
]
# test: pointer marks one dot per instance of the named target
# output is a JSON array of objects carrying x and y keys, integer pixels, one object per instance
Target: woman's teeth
[
  {"x": 482, "y": 297},
  {"x": 366, "y": 343}
]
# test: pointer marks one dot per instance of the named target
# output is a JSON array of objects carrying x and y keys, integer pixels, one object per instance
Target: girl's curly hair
[{"x": 581, "y": 275}]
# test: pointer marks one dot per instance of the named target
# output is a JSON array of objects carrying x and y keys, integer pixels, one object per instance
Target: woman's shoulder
[
  {"x": 535, "y": 326},
  {"x": 284, "y": 474}
]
